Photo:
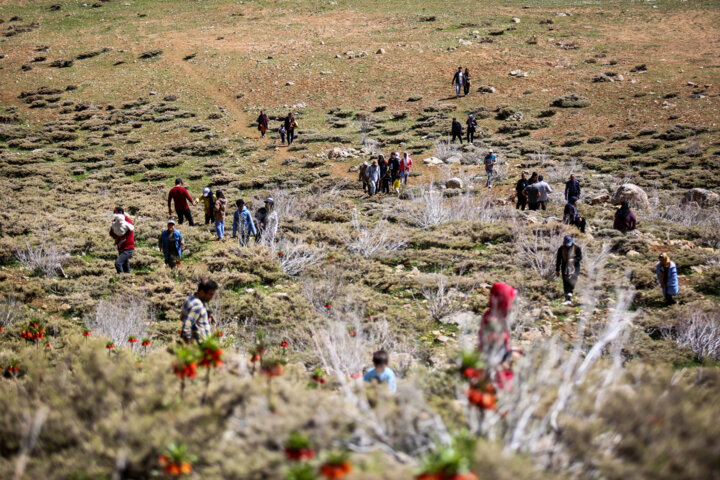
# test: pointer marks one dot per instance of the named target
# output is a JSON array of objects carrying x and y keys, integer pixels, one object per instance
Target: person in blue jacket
[
  {"x": 668, "y": 278},
  {"x": 171, "y": 244},
  {"x": 243, "y": 224},
  {"x": 381, "y": 373}
]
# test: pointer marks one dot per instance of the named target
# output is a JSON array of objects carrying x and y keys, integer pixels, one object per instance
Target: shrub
[
  {"x": 119, "y": 317},
  {"x": 537, "y": 248},
  {"x": 296, "y": 255},
  {"x": 45, "y": 259},
  {"x": 444, "y": 149},
  {"x": 370, "y": 242},
  {"x": 701, "y": 333}
]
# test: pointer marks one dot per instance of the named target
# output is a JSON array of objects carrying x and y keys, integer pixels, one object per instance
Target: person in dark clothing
[
  {"x": 567, "y": 263},
  {"x": 171, "y": 244},
  {"x": 456, "y": 131},
  {"x": 290, "y": 126},
  {"x": 625, "y": 220},
  {"x": 571, "y": 215},
  {"x": 533, "y": 196},
  {"x": 262, "y": 121},
  {"x": 520, "y": 192},
  {"x": 262, "y": 217},
  {"x": 384, "y": 174},
  {"x": 394, "y": 167},
  {"x": 180, "y": 196},
  {"x": 125, "y": 244},
  {"x": 533, "y": 178},
  {"x": 572, "y": 188},
  {"x": 466, "y": 81},
  {"x": 458, "y": 81},
  {"x": 471, "y": 127}
]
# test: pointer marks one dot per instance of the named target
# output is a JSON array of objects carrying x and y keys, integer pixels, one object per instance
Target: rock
[
  {"x": 454, "y": 160},
  {"x": 381, "y": 51},
  {"x": 598, "y": 199},
  {"x": 151, "y": 53},
  {"x": 62, "y": 63},
  {"x": 518, "y": 73},
  {"x": 432, "y": 161},
  {"x": 289, "y": 84},
  {"x": 415, "y": 98},
  {"x": 601, "y": 77},
  {"x": 639, "y": 68},
  {"x": 170, "y": 98},
  {"x": 571, "y": 101},
  {"x": 632, "y": 253},
  {"x": 462, "y": 319},
  {"x": 338, "y": 152},
  {"x": 486, "y": 89},
  {"x": 354, "y": 169},
  {"x": 633, "y": 194},
  {"x": 454, "y": 183},
  {"x": 703, "y": 197},
  {"x": 515, "y": 20}
]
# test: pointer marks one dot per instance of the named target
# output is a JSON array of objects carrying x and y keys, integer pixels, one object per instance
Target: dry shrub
[
  {"x": 444, "y": 149},
  {"x": 45, "y": 259},
  {"x": 442, "y": 300},
  {"x": 371, "y": 242},
  {"x": 296, "y": 255},
  {"x": 700, "y": 332},
  {"x": 705, "y": 220},
  {"x": 560, "y": 172},
  {"x": 430, "y": 208},
  {"x": 537, "y": 247},
  {"x": 119, "y": 317},
  {"x": 11, "y": 311}
]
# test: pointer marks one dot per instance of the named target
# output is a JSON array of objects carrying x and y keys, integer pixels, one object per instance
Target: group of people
[
  {"x": 533, "y": 193},
  {"x": 286, "y": 130},
  {"x": 461, "y": 82},
  {"x": 456, "y": 129},
  {"x": 384, "y": 173}
]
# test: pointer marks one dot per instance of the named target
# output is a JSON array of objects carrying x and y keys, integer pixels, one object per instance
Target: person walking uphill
[
  {"x": 395, "y": 171},
  {"x": 625, "y": 220},
  {"x": 520, "y": 192},
  {"x": 124, "y": 236},
  {"x": 490, "y": 161},
  {"x": 384, "y": 167},
  {"x": 180, "y": 196},
  {"x": 290, "y": 125},
  {"x": 219, "y": 212},
  {"x": 195, "y": 317},
  {"x": 571, "y": 215},
  {"x": 567, "y": 263},
  {"x": 667, "y": 276},
  {"x": 380, "y": 372},
  {"x": 456, "y": 131},
  {"x": 572, "y": 188},
  {"x": 373, "y": 175},
  {"x": 171, "y": 244},
  {"x": 243, "y": 224},
  {"x": 543, "y": 189},
  {"x": 208, "y": 199},
  {"x": 458, "y": 80},
  {"x": 262, "y": 121}
]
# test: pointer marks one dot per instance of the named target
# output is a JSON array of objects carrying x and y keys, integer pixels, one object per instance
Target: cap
[
  {"x": 206, "y": 192},
  {"x": 269, "y": 200},
  {"x": 171, "y": 222},
  {"x": 491, "y": 150},
  {"x": 568, "y": 241}
]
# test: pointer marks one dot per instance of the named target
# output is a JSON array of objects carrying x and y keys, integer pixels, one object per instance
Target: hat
[
  {"x": 171, "y": 222},
  {"x": 206, "y": 191},
  {"x": 490, "y": 151},
  {"x": 269, "y": 200},
  {"x": 567, "y": 241}
]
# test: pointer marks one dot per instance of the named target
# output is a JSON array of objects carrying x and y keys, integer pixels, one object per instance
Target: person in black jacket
[
  {"x": 384, "y": 174},
  {"x": 572, "y": 188},
  {"x": 520, "y": 192},
  {"x": 567, "y": 263},
  {"x": 571, "y": 216},
  {"x": 471, "y": 127},
  {"x": 394, "y": 167},
  {"x": 456, "y": 131}
]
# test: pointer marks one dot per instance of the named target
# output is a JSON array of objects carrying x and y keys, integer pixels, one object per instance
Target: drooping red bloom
[
  {"x": 285, "y": 344},
  {"x": 109, "y": 345}
]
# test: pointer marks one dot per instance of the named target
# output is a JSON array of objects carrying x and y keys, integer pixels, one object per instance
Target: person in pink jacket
[{"x": 405, "y": 164}]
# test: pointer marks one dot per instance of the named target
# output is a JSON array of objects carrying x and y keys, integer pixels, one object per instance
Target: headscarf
[
  {"x": 624, "y": 209},
  {"x": 665, "y": 260},
  {"x": 494, "y": 320}
]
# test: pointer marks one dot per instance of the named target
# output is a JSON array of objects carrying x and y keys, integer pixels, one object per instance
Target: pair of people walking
[{"x": 461, "y": 82}]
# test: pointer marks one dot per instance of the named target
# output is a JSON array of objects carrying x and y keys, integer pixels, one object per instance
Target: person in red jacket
[
  {"x": 125, "y": 245},
  {"x": 494, "y": 336},
  {"x": 180, "y": 196}
]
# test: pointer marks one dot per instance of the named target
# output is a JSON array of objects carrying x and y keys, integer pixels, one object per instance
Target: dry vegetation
[{"x": 106, "y": 103}]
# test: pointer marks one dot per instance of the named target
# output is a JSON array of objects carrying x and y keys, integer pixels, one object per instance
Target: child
[
  {"x": 282, "y": 134},
  {"x": 119, "y": 226},
  {"x": 381, "y": 373}
]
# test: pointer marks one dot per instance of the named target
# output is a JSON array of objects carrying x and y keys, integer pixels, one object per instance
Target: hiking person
[
  {"x": 572, "y": 188},
  {"x": 125, "y": 242},
  {"x": 384, "y": 167},
  {"x": 282, "y": 131},
  {"x": 625, "y": 220},
  {"x": 243, "y": 224},
  {"x": 520, "y": 192},
  {"x": 532, "y": 193},
  {"x": 456, "y": 130},
  {"x": 543, "y": 189},
  {"x": 263, "y": 217},
  {"x": 262, "y": 122},
  {"x": 219, "y": 212},
  {"x": 567, "y": 263},
  {"x": 533, "y": 178},
  {"x": 490, "y": 161},
  {"x": 471, "y": 127},
  {"x": 290, "y": 126},
  {"x": 373, "y": 175},
  {"x": 208, "y": 198},
  {"x": 171, "y": 244},
  {"x": 380, "y": 372},
  {"x": 395, "y": 171},
  {"x": 494, "y": 334},
  {"x": 180, "y": 196},
  {"x": 667, "y": 276},
  {"x": 466, "y": 81},
  {"x": 195, "y": 317},
  {"x": 458, "y": 81},
  {"x": 571, "y": 215},
  {"x": 405, "y": 165}
]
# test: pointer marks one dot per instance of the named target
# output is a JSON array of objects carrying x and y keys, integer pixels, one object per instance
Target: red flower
[
  {"x": 146, "y": 342},
  {"x": 335, "y": 471},
  {"x": 132, "y": 339},
  {"x": 220, "y": 334},
  {"x": 328, "y": 306},
  {"x": 280, "y": 255},
  {"x": 109, "y": 345},
  {"x": 470, "y": 372},
  {"x": 285, "y": 344},
  {"x": 86, "y": 333},
  {"x": 330, "y": 257},
  {"x": 255, "y": 358},
  {"x": 186, "y": 371},
  {"x": 299, "y": 454},
  {"x": 352, "y": 333}
]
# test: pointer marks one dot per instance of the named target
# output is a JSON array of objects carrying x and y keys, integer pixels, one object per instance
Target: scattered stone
[
  {"x": 289, "y": 84},
  {"x": 381, "y": 51},
  {"x": 151, "y": 53},
  {"x": 486, "y": 89},
  {"x": 701, "y": 196},
  {"x": 639, "y": 68},
  {"x": 415, "y": 98},
  {"x": 518, "y": 73},
  {"x": 62, "y": 63},
  {"x": 599, "y": 199},
  {"x": 633, "y": 194},
  {"x": 515, "y": 20},
  {"x": 572, "y": 100},
  {"x": 170, "y": 98},
  {"x": 433, "y": 161},
  {"x": 454, "y": 183}
]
